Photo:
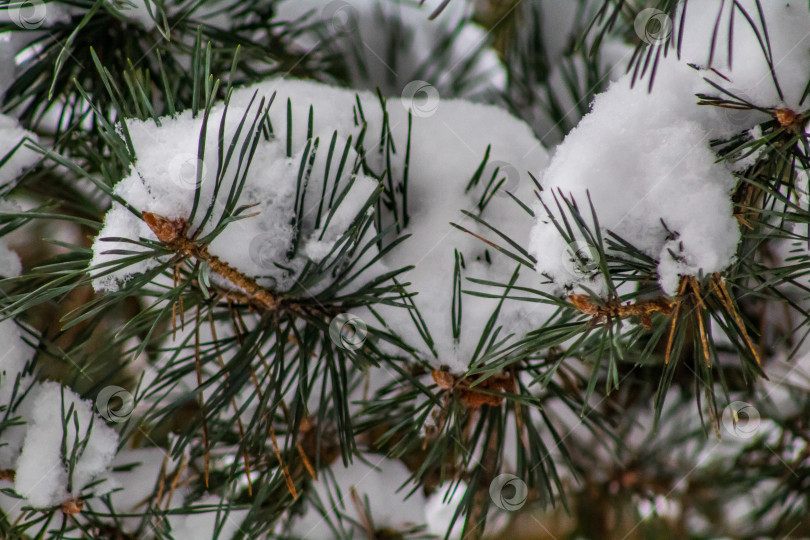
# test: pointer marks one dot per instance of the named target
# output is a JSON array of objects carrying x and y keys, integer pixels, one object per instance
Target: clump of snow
[
  {"x": 552, "y": 84},
  {"x": 645, "y": 158},
  {"x": 20, "y": 157},
  {"x": 447, "y": 148},
  {"x": 165, "y": 173},
  {"x": 440, "y": 508},
  {"x": 451, "y": 52},
  {"x": 10, "y": 264},
  {"x": 653, "y": 181},
  {"x": 139, "y": 476},
  {"x": 15, "y": 380},
  {"x": 377, "y": 484},
  {"x": 59, "y": 416}
]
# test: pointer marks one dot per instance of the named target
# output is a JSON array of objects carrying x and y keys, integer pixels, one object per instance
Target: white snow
[
  {"x": 745, "y": 64},
  {"x": 379, "y": 482},
  {"x": 11, "y": 133},
  {"x": 362, "y": 31},
  {"x": 645, "y": 158},
  {"x": 10, "y": 264},
  {"x": 568, "y": 83},
  {"x": 215, "y": 522},
  {"x": 42, "y": 473},
  {"x": 15, "y": 379},
  {"x": 164, "y": 178},
  {"x": 138, "y": 479},
  {"x": 436, "y": 194},
  {"x": 140, "y": 11},
  {"x": 641, "y": 165},
  {"x": 441, "y": 507}
]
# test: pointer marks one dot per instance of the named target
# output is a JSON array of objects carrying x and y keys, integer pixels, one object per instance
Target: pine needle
[
  {"x": 681, "y": 291},
  {"x": 180, "y": 469},
  {"x": 310, "y": 469},
  {"x": 198, "y": 367},
  {"x": 725, "y": 297},
  {"x": 285, "y": 471},
  {"x": 699, "y": 308}
]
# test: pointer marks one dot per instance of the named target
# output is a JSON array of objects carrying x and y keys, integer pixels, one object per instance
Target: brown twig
[
  {"x": 614, "y": 309},
  {"x": 173, "y": 234},
  {"x": 486, "y": 391},
  {"x": 791, "y": 120},
  {"x": 72, "y": 506}
]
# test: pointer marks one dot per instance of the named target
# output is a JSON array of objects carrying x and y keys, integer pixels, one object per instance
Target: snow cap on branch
[
  {"x": 167, "y": 171},
  {"x": 643, "y": 153},
  {"x": 61, "y": 420},
  {"x": 439, "y": 188}
]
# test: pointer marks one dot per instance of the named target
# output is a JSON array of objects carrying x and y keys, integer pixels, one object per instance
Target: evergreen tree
[{"x": 404, "y": 269}]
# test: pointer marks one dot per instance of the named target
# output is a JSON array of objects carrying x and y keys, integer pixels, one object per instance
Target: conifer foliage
[{"x": 404, "y": 269}]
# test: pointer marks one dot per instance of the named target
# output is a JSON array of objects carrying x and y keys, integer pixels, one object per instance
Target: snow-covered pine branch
[{"x": 482, "y": 275}]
